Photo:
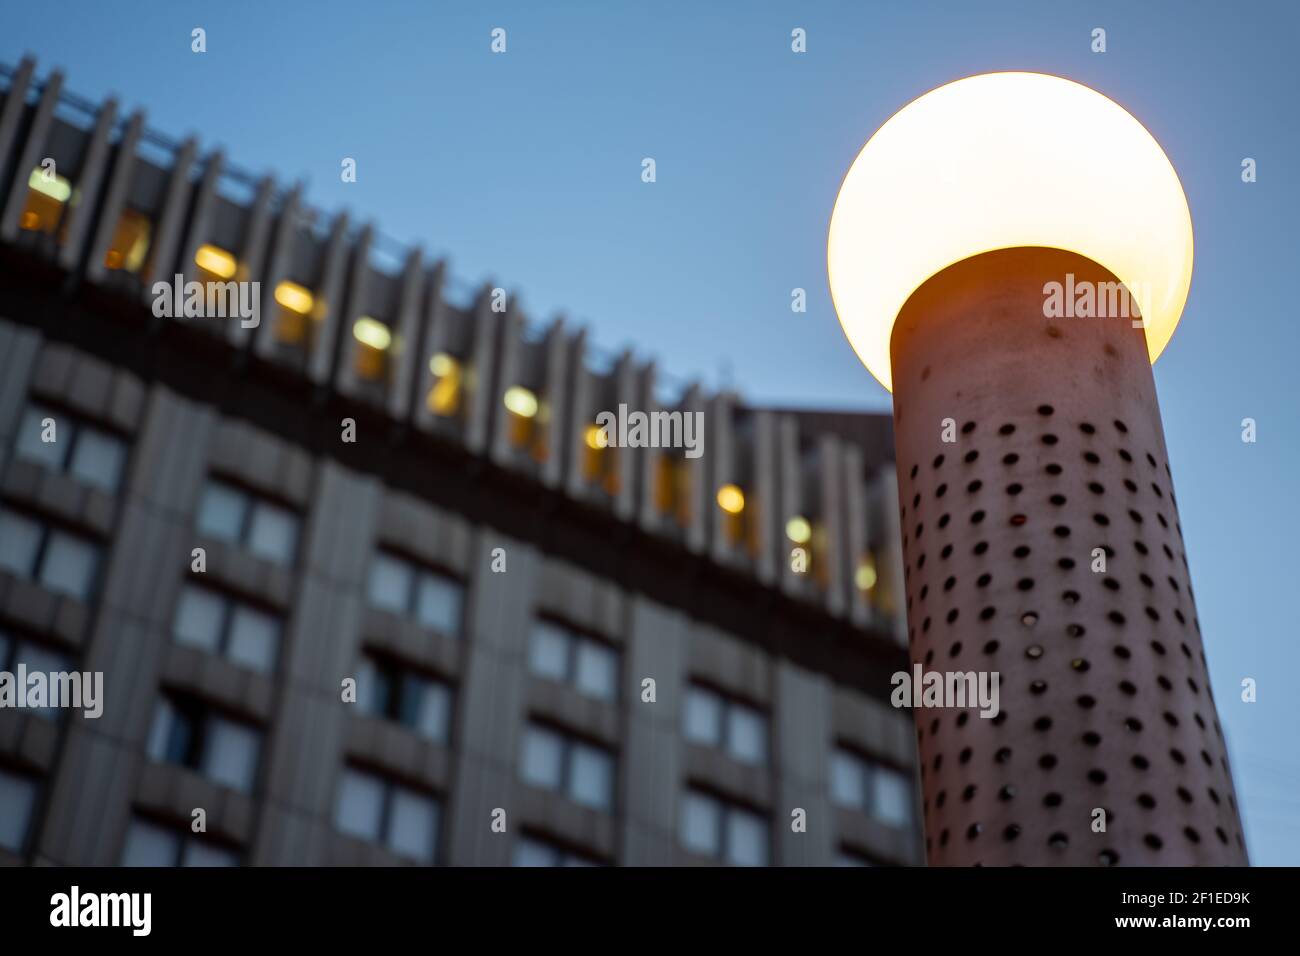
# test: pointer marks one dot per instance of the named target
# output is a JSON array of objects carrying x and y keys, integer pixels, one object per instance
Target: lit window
[
  {"x": 444, "y": 394},
  {"x": 432, "y": 599},
  {"x": 151, "y": 844},
  {"x": 188, "y": 733},
  {"x": 724, "y": 831},
  {"x": 562, "y": 655},
  {"x": 556, "y": 761},
  {"x": 713, "y": 720},
  {"x": 525, "y": 414},
  {"x": 222, "y": 625},
  {"x": 798, "y": 529},
  {"x": 59, "y": 561},
  {"x": 387, "y": 689},
  {"x": 531, "y": 851},
  {"x": 377, "y": 810},
  {"x": 599, "y": 460},
  {"x": 36, "y": 658},
  {"x": 735, "y": 524},
  {"x": 47, "y": 195},
  {"x": 215, "y": 264},
  {"x": 17, "y": 801},
  {"x": 861, "y": 784},
  {"x": 129, "y": 246},
  {"x": 91, "y": 455},
  {"x": 374, "y": 339},
  {"x": 293, "y": 323},
  {"x": 238, "y": 517}
]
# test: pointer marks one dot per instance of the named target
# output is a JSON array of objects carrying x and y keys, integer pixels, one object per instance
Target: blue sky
[{"x": 526, "y": 168}]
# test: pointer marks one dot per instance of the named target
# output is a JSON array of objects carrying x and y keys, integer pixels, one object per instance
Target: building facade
[{"x": 365, "y": 583}]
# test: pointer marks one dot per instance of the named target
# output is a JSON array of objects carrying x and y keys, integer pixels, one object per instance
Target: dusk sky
[{"x": 526, "y": 168}]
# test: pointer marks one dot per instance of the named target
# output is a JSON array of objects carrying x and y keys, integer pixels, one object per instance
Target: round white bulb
[{"x": 998, "y": 161}]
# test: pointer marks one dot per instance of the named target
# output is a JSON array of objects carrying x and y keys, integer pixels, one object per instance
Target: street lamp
[{"x": 1008, "y": 255}]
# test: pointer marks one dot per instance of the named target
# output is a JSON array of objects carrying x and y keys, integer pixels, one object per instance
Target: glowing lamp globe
[{"x": 998, "y": 161}]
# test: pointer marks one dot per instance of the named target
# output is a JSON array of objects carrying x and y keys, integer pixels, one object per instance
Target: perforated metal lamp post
[{"x": 1040, "y": 528}]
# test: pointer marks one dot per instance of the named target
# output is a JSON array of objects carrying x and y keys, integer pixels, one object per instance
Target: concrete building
[{"x": 363, "y": 583}]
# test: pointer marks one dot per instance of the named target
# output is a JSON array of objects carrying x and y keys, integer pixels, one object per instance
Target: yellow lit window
[
  {"x": 798, "y": 530},
  {"x": 47, "y": 195},
  {"x": 865, "y": 575},
  {"x": 215, "y": 264},
  {"x": 731, "y": 499},
  {"x": 526, "y": 414},
  {"x": 293, "y": 322},
  {"x": 599, "y": 461},
  {"x": 374, "y": 339},
  {"x": 130, "y": 243},
  {"x": 444, "y": 394}
]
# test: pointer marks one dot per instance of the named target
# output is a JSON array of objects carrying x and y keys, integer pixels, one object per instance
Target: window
[
  {"x": 724, "y": 831},
  {"x": 238, "y": 517},
  {"x": 47, "y": 195},
  {"x": 89, "y": 454},
  {"x": 521, "y": 422},
  {"x": 559, "y": 654},
  {"x": 555, "y": 761},
  {"x": 444, "y": 396},
  {"x": 533, "y": 851},
  {"x": 861, "y": 784},
  {"x": 152, "y": 844},
  {"x": 221, "y": 625},
  {"x": 599, "y": 459},
  {"x": 434, "y": 600},
  {"x": 60, "y": 561},
  {"x": 189, "y": 733},
  {"x": 35, "y": 657},
  {"x": 717, "y": 721},
  {"x": 130, "y": 243},
  {"x": 375, "y": 809},
  {"x": 672, "y": 488},
  {"x": 293, "y": 325},
  {"x": 370, "y": 360},
  {"x": 387, "y": 689},
  {"x": 17, "y": 800}
]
